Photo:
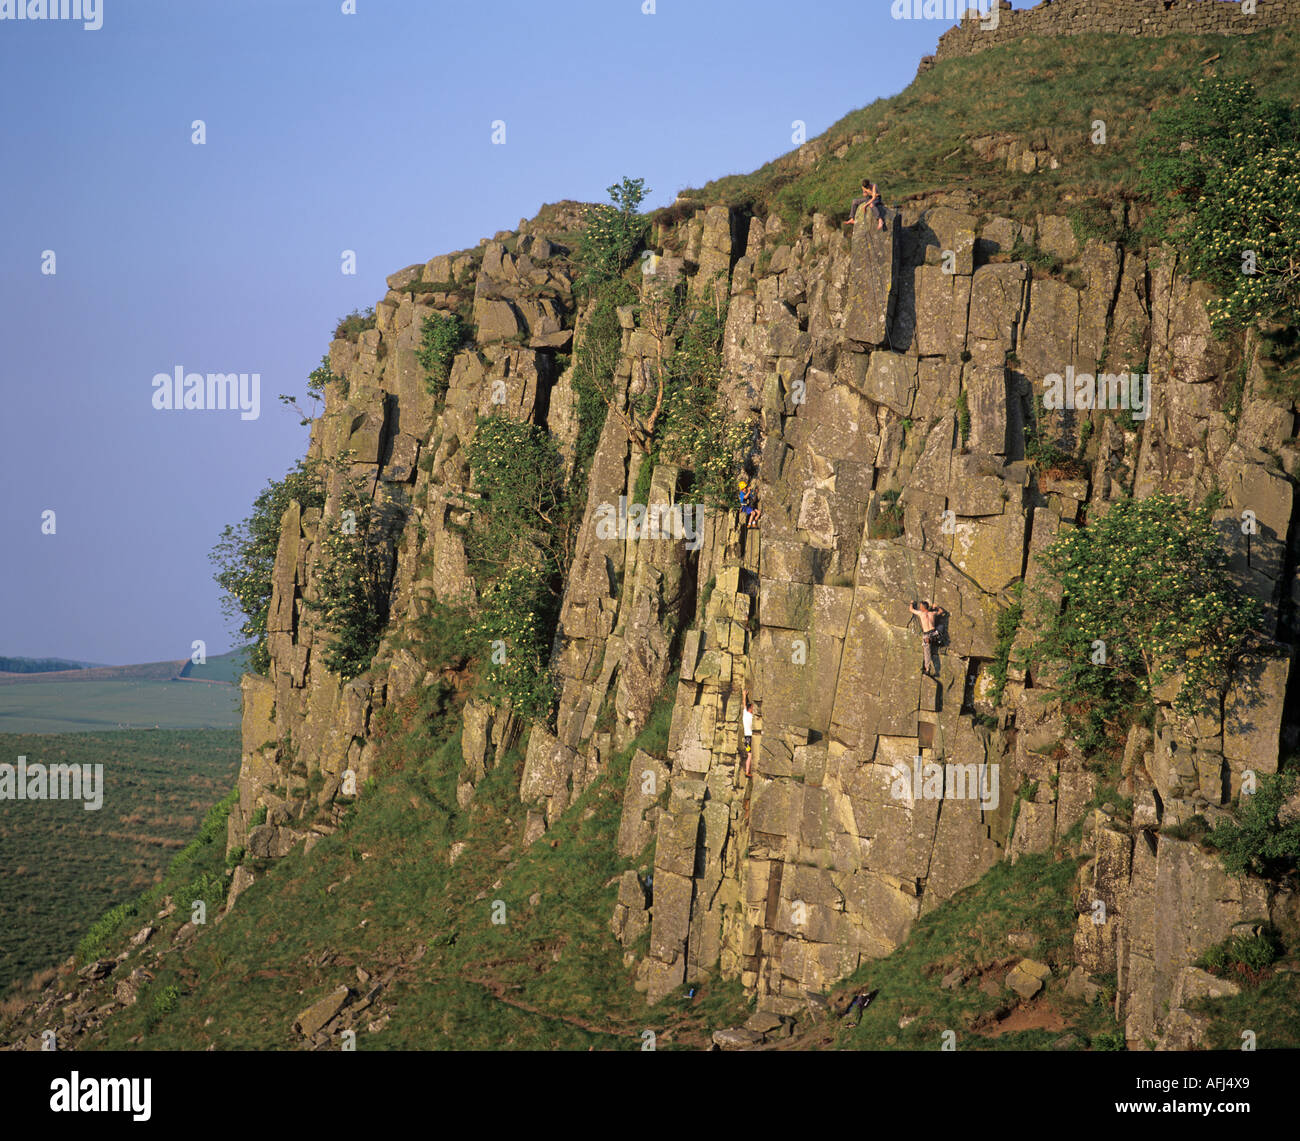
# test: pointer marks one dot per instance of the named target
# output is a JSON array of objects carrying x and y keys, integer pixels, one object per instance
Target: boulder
[
  {"x": 404, "y": 277},
  {"x": 312, "y": 1020},
  {"x": 736, "y": 1038},
  {"x": 1028, "y": 977},
  {"x": 496, "y": 320}
]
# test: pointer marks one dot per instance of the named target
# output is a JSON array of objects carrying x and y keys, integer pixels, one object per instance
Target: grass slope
[
  {"x": 382, "y": 895},
  {"x": 1031, "y": 900},
  {"x": 918, "y": 141}
]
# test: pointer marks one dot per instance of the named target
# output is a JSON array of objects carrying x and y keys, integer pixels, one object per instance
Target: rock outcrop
[{"x": 891, "y": 376}]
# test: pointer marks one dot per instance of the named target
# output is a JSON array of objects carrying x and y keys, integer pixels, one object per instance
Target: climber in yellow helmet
[{"x": 748, "y": 501}]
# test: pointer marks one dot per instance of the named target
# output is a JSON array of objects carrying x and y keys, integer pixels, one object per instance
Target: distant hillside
[
  {"x": 223, "y": 668},
  {"x": 38, "y": 665},
  {"x": 147, "y": 671}
]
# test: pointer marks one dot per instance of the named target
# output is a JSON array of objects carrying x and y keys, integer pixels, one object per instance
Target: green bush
[
  {"x": 513, "y": 634},
  {"x": 1220, "y": 168},
  {"x": 644, "y": 475},
  {"x": 1008, "y": 624},
  {"x": 322, "y": 375},
  {"x": 1036, "y": 258},
  {"x": 1144, "y": 597},
  {"x": 1257, "y": 842},
  {"x": 517, "y": 540},
  {"x": 519, "y": 475},
  {"x": 595, "y": 360},
  {"x": 104, "y": 930},
  {"x": 166, "y": 999},
  {"x": 693, "y": 427},
  {"x": 245, "y": 556},
  {"x": 887, "y": 523},
  {"x": 1046, "y": 454},
  {"x": 963, "y": 417},
  {"x": 353, "y": 574},
  {"x": 1245, "y": 950},
  {"x": 351, "y": 327},
  {"x": 441, "y": 338}
]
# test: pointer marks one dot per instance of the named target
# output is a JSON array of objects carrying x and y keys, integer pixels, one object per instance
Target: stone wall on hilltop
[
  {"x": 852, "y": 353},
  {"x": 1111, "y": 17}
]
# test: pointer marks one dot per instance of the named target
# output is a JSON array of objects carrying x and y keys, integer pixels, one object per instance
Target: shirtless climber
[{"x": 929, "y": 633}]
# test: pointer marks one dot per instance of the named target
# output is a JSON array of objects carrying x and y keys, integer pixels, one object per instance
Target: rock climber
[
  {"x": 748, "y": 501},
  {"x": 870, "y": 197},
  {"x": 747, "y": 727},
  {"x": 929, "y": 633}
]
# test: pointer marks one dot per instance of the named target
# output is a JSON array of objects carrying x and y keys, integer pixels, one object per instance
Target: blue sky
[{"x": 325, "y": 132}]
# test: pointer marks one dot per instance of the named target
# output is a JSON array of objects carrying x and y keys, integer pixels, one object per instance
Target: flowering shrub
[
  {"x": 1145, "y": 598},
  {"x": 1223, "y": 171},
  {"x": 512, "y": 637},
  {"x": 694, "y": 428},
  {"x": 519, "y": 476}
]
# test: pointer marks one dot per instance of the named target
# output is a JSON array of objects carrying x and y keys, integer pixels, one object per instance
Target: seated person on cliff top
[{"x": 870, "y": 197}]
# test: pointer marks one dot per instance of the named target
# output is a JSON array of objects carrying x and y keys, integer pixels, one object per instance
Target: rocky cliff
[
  {"x": 892, "y": 382},
  {"x": 860, "y": 358}
]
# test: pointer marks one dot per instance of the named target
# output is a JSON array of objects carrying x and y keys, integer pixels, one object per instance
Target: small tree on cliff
[
  {"x": 1143, "y": 598},
  {"x": 606, "y": 247},
  {"x": 245, "y": 556},
  {"x": 612, "y": 235}
]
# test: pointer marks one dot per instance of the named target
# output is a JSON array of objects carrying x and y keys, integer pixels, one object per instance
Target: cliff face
[{"x": 855, "y": 355}]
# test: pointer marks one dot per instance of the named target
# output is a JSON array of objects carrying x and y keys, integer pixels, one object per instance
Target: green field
[
  {"x": 83, "y": 706},
  {"x": 62, "y": 866}
]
